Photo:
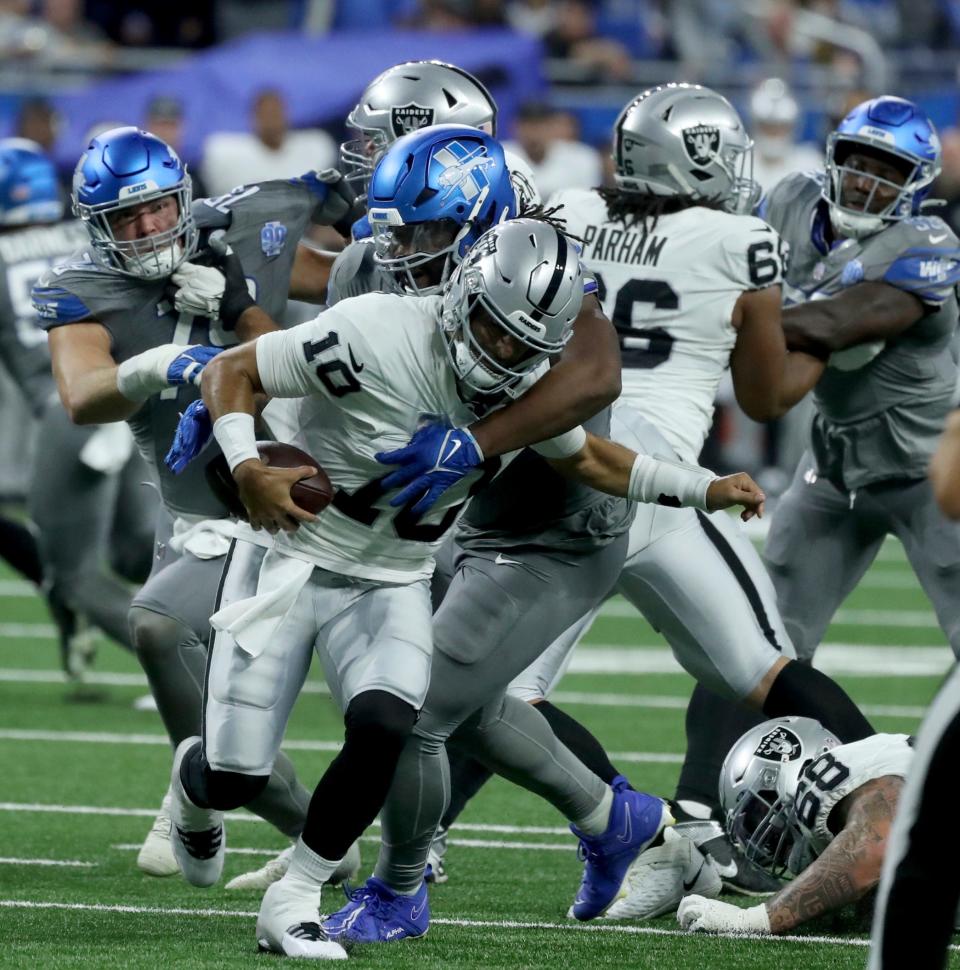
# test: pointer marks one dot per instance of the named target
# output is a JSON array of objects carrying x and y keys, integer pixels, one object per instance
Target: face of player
[
  {"x": 857, "y": 185},
  {"x": 144, "y": 220},
  {"x": 504, "y": 348},
  {"x": 425, "y": 237}
]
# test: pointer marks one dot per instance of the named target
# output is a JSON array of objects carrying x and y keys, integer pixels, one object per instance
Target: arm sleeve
[
  {"x": 928, "y": 265},
  {"x": 311, "y": 358},
  {"x": 755, "y": 254},
  {"x": 564, "y": 445}
]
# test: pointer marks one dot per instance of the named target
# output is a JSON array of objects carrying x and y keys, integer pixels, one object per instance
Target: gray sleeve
[{"x": 353, "y": 273}]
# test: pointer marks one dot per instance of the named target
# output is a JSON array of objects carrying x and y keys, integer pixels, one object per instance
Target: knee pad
[
  {"x": 155, "y": 635},
  {"x": 222, "y": 790},
  {"x": 379, "y": 719}
]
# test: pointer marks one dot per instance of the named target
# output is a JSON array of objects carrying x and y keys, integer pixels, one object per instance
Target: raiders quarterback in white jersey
[
  {"x": 806, "y": 807},
  {"x": 352, "y": 582}
]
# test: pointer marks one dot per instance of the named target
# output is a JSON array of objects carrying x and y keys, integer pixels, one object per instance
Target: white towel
[
  {"x": 253, "y": 621},
  {"x": 205, "y": 539}
]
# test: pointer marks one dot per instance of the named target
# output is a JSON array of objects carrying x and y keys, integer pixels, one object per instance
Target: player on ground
[
  {"x": 122, "y": 350},
  {"x": 693, "y": 287},
  {"x": 84, "y": 497},
  {"x": 353, "y": 583},
  {"x": 800, "y": 804}
]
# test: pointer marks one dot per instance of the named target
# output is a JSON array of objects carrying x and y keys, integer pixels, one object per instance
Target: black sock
[
  {"x": 355, "y": 785},
  {"x": 808, "y": 692},
  {"x": 579, "y": 740},
  {"x": 713, "y": 724},
  {"x": 222, "y": 790},
  {"x": 19, "y": 548},
  {"x": 467, "y": 777}
]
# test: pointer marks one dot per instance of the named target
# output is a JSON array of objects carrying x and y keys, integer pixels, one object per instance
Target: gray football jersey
[
  {"x": 528, "y": 504},
  {"x": 881, "y": 420},
  {"x": 25, "y": 255},
  {"x": 263, "y": 224}
]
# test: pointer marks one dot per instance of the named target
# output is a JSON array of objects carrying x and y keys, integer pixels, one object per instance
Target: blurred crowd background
[{"x": 254, "y": 89}]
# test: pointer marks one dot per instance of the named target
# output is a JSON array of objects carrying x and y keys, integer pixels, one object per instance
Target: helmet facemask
[
  {"x": 151, "y": 257},
  {"x": 359, "y": 155},
  {"x": 420, "y": 256},
  {"x": 863, "y": 216},
  {"x": 762, "y": 825}
]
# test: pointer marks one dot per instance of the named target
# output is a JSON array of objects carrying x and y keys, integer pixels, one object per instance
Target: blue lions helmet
[
  {"x": 125, "y": 167},
  {"x": 893, "y": 131},
  {"x": 432, "y": 195},
  {"x": 29, "y": 191}
]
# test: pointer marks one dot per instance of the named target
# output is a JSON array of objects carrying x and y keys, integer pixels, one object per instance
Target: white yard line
[
  {"x": 571, "y": 927},
  {"x": 590, "y": 698},
  {"x": 161, "y": 740},
  {"x": 68, "y": 863}
]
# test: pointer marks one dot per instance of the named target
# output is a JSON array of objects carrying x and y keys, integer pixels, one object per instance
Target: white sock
[
  {"x": 597, "y": 821},
  {"x": 308, "y": 871}
]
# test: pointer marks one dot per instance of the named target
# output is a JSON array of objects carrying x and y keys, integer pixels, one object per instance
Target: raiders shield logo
[
  {"x": 406, "y": 118},
  {"x": 780, "y": 744},
  {"x": 701, "y": 143}
]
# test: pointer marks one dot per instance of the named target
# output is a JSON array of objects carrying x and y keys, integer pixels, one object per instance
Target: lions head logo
[
  {"x": 407, "y": 118},
  {"x": 701, "y": 143},
  {"x": 780, "y": 744}
]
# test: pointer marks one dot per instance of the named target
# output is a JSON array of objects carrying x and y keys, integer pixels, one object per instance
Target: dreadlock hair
[
  {"x": 541, "y": 213},
  {"x": 645, "y": 208}
]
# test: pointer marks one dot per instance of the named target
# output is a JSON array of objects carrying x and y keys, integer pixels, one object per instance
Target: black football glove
[{"x": 236, "y": 296}]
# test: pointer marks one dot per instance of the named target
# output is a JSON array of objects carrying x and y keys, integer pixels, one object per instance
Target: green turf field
[{"x": 82, "y": 773}]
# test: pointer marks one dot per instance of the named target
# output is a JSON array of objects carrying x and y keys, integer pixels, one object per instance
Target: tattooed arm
[{"x": 849, "y": 866}]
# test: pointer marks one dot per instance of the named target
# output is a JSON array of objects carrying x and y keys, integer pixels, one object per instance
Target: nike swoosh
[
  {"x": 688, "y": 885},
  {"x": 501, "y": 561},
  {"x": 627, "y": 829},
  {"x": 353, "y": 360},
  {"x": 456, "y": 447},
  {"x": 416, "y": 913},
  {"x": 729, "y": 870},
  {"x": 938, "y": 239}
]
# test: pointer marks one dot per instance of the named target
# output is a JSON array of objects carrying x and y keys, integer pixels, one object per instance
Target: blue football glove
[
  {"x": 192, "y": 434},
  {"x": 436, "y": 458},
  {"x": 361, "y": 229},
  {"x": 187, "y": 367}
]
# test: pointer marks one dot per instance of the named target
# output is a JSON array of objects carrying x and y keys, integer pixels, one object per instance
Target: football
[{"x": 313, "y": 494}]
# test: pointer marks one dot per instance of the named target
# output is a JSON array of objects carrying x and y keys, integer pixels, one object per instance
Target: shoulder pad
[{"x": 55, "y": 305}]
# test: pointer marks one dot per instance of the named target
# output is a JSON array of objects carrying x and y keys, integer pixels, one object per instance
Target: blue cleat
[
  {"x": 636, "y": 820},
  {"x": 376, "y": 914}
]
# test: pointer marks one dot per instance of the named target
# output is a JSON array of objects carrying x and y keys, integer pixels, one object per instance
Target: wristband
[
  {"x": 563, "y": 445},
  {"x": 145, "y": 374},
  {"x": 235, "y": 435},
  {"x": 671, "y": 483}
]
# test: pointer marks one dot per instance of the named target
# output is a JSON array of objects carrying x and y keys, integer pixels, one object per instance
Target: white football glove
[
  {"x": 699, "y": 915},
  {"x": 200, "y": 290}
]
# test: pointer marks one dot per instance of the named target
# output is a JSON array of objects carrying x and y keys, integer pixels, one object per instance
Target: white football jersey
[
  {"x": 842, "y": 770},
  {"x": 366, "y": 373},
  {"x": 670, "y": 293}
]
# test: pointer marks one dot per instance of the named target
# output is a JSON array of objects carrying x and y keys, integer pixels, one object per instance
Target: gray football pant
[
  {"x": 493, "y": 621},
  {"x": 170, "y": 621},
  {"x": 823, "y": 539},
  {"x": 918, "y": 885},
  {"x": 92, "y": 526}
]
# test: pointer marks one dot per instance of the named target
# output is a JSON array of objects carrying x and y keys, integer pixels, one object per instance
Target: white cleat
[
  {"x": 197, "y": 837},
  {"x": 277, "y": 868},
  {"x": 662, "y": 876},
  {"x": 156, "y": 856},
  {"x": 436, "y": 871},
  {"x": 290, "y": 924}
]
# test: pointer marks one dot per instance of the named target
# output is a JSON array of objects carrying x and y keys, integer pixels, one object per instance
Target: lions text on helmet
[{"x": 133, "y": 194}]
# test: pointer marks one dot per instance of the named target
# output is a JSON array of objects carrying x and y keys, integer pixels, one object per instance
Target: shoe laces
[{"x": 364, "y": 894}]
